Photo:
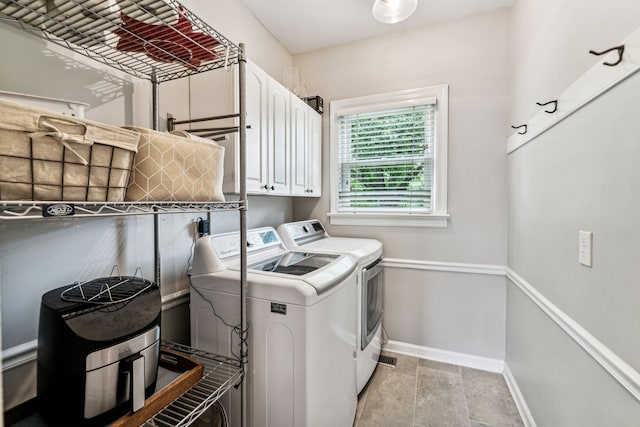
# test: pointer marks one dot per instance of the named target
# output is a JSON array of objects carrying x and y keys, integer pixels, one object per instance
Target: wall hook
[
  {"x": 555, "y": 106},
  {"x": 521, "y": 126},
  {"x": 620, "y": 50}
]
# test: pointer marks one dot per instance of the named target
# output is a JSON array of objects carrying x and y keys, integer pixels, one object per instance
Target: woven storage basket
[
  {"x": 176, "y": 167},
  {"x": 50, "y": 156}
]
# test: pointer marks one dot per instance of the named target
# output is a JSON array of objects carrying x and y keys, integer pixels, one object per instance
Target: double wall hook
[
  {"x": 620, "y": 50},
  {"x": 555, "y": 106},
  {"x": 521, "y": 126}
]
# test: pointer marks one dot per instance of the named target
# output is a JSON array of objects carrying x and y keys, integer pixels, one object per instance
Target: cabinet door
[
  {"x": 306, "y": 149},
  {"x": 314, "y": 150},
  {"x": 299, "y": 154},
  {"x": 256, "y": 135},
  {"x": 278, "y": 139},
  {"x": 256, "y": 141}
]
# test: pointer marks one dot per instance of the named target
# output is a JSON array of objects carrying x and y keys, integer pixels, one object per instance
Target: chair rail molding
[
  {"x": 628, "y": 377},
  {"x": 454, "y": 267}
]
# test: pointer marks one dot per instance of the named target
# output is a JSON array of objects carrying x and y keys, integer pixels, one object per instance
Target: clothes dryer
[{"x": 311, "y": 236}]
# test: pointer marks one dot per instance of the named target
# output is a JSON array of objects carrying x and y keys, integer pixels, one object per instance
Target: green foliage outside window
[{"x": 387, "y": 159}]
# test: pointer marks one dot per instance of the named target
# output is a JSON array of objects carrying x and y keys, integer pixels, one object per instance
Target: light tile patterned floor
[{"x": 423, "y": 393}]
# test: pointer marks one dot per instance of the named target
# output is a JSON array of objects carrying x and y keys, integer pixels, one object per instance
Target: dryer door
[{"x": 372, "y": 276}]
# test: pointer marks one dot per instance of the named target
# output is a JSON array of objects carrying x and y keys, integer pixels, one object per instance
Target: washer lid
[
  {"x": 296, "y": 263},
  {"x": 322, "y": 271},
  {"x": 364, "y": 250},
  {"x": 310, "y": 236}
]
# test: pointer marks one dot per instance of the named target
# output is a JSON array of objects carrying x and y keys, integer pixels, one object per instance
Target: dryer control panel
[{"x": 302, "y": 232}]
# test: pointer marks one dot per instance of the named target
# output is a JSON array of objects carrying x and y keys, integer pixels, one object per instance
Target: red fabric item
[{"x": 166, "y": 43}]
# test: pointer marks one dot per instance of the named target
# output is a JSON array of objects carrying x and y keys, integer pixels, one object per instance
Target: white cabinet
[
  {"x": 306, "y": 149},
  {"x": 284, "y": 141},
  {"x": 314, "y": 162},
  {"x": 278, "y": 143},
  {"x": 299, "y": 155},
  {"x": 256, "y": 136}
]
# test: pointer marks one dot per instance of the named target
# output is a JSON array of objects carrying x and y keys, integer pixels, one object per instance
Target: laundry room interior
[{"x": 505, "y": 296}]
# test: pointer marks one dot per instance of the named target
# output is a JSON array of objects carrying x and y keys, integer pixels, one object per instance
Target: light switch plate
[{"x": 585, "y": 247}]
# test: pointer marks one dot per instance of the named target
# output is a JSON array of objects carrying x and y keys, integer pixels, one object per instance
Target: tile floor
[{"x": 423, "y": 393}]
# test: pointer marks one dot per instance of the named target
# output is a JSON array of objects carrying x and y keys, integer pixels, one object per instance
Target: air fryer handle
[{"x": 135, "y": 366}]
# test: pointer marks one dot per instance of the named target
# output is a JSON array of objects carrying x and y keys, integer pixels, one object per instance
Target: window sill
[{"x": 390, "y": 220}]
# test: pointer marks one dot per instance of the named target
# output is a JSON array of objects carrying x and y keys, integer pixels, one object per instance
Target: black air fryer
[{"x": 98, "y": 349}]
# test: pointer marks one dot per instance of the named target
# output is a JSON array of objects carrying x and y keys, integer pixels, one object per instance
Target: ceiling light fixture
[{"x": 393, "y": 11}]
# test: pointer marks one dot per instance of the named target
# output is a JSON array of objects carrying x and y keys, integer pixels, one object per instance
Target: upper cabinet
[
  {"x": 283, "y": 137},
  {"x": 256, "y": 133},
  {"x": 278, "y": 142},
  {"x": 306, "y": 149},
  {"x": 314, "y": 161}
]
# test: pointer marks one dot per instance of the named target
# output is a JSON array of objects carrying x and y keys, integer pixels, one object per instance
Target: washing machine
[
  {"x": 311, "y": 236},
  {"x": 301, "y": 362}
]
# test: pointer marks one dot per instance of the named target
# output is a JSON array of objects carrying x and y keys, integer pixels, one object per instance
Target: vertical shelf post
[
  {"x": 243, "y": 227},
  {"x": 155, "y": 119},
  {"x": 155, "y": 102}
]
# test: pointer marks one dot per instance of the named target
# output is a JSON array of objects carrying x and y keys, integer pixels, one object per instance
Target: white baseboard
[
  {"x": 445, "y": 356},
  {"x": 518, "y": 398},
  {"x": 469, "y": 361}
]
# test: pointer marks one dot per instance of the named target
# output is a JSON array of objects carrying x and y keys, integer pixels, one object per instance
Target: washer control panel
[{"x": 228, "y": 244}]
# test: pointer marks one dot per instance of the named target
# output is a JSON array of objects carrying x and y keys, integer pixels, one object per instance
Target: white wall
[
  {"x": 237, "y": 23},
  {"x": 540, "y": 47},
  {"x": 37, "y": 67},
  {"x": 209, "y": 94},
  {"x": 471, "y": 55},
  {"x": 579, "y": 175},
  {"x": 39, "y": 255},
  {"x": 550, "y": 44}
]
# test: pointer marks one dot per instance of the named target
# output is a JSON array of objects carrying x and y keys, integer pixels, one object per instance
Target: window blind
[{"x": 386, "y": 160}]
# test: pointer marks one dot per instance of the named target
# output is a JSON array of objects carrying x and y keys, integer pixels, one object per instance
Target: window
[{"x": 389, "y": 158}]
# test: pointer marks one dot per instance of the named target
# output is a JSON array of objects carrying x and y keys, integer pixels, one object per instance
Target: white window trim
[{"x": 439, "y": 217}]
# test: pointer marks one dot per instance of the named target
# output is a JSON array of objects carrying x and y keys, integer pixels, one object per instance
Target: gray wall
[
  {"x": 471, "y": 55},
  {"x": 579, "y": 175}
]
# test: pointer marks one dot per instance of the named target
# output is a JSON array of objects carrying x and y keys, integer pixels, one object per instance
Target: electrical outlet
[{"x": 585, "y": 247}]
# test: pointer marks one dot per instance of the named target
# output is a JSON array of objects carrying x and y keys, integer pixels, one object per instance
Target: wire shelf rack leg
[{"x": 243, "y": 226}]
